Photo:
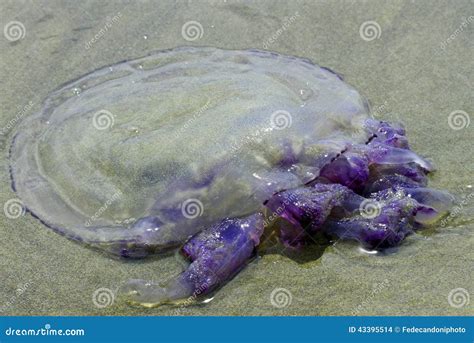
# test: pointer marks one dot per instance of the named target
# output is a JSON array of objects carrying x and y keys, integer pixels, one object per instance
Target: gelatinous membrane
[{"x": 211, "y": 129}]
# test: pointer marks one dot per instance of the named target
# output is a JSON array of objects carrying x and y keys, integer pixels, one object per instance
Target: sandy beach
[{"x": 412, "y": 60}]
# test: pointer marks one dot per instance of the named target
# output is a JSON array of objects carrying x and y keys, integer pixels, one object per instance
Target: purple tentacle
[
  {"x": 305, "y": 209},
  {"x": 216, "y": 255},
  {"x": 384, "y": 174},
  {"x": 374, "y": 193}
]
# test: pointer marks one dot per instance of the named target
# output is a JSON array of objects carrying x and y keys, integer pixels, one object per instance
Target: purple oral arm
[
  {"x": 384, "y": 173},
  {"x": 216, "y": 255},
  {"x": 304, "y": 210},
  {"x": 379, "y": 222},
  {"x": 386, "y": 153}
]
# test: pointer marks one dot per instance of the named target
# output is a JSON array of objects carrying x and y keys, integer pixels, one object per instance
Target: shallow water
[{"x": 412, "y": 72}]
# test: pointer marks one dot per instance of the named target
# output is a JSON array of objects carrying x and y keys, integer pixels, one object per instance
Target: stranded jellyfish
[{"x": 202, "y": 149}]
